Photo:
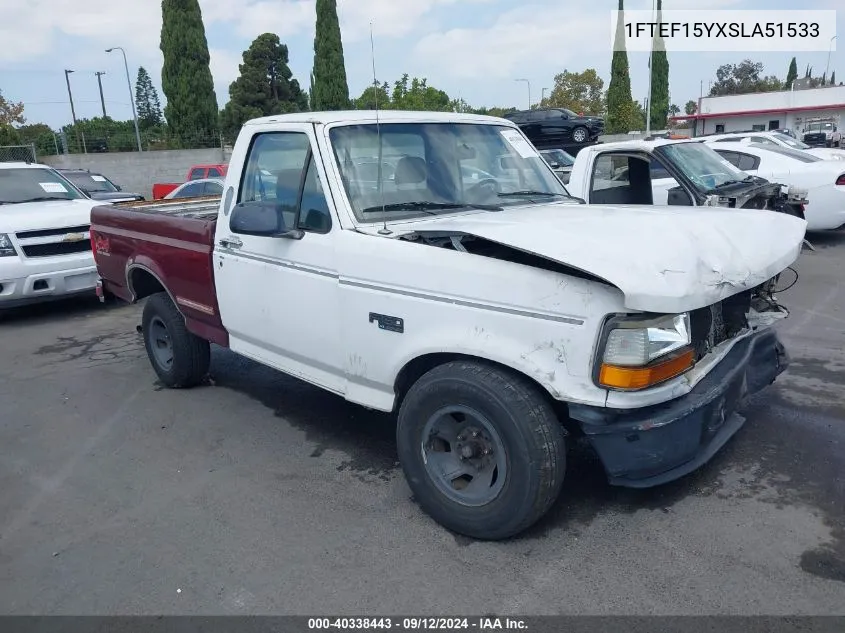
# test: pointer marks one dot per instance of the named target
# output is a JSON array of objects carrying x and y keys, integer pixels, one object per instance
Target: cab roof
[{"x": 384, "y": 116}]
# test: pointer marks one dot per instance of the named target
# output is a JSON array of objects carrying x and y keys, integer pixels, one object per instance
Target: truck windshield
[
  {"x": 91, "y": 182},
  {"x": 412, "y": 169},
  {"x": 19, "y": 185},
  {"x": 701, "y": 164}
]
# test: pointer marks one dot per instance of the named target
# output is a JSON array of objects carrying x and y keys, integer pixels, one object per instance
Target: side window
[
  {"x": 747, "y": 162},
  {"x": 196, "y": 174},
  {"x": 762, "y": 140},
  {"x": 621, "y": 179},
  {"x": 281, "y": 177},
  {"x": 213, "y": 189},
  {"x": 731, "y": 157},
  {"x": 193, "y": 190},
  {"x": 213, "y": 172},
  {"x": 658, "y": 171}
]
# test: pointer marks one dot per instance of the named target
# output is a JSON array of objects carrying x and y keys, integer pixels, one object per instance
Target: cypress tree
[
  {"x": 620, "y": 111},
  {"x": 792, "y": 73},
  {"x": 659, "y": 78},
  {"x": 833, "y": 78},
  {"x": 146, "y": 100},
  {"x": 191, "y": 109},
  {"x": 329, "y": 88}
]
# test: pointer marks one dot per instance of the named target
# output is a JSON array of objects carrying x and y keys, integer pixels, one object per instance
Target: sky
[{"x": 472, "y": 49}]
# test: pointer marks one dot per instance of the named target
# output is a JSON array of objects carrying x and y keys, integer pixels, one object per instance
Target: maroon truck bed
[{"x": 145, "y": 247}]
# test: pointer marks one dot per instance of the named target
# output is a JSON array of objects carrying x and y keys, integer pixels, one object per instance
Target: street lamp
[
  {"x": 829, "y": 49},
  {"x": 131, "y": 96},
  {"x": 70, "y": 96},
  {"x": 529, "y": 91}
]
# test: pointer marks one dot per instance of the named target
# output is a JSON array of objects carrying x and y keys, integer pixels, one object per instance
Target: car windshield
[
  {"x": 797, "y": 154},
  {"x": 93, "y": 183},
  {"x": 789, "y": 141},
  {"x": 558, "y": 156},
  {"x": 701, "y": 164},
  {"x": 569, "y": 113},
  {"x": 819, "y": 127},
  {"x": 408, "y": 170},
  {"x": 34, "y": 185}
]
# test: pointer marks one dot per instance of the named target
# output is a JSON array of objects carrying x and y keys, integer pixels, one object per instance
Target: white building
[{"x": 767, "y": 110}]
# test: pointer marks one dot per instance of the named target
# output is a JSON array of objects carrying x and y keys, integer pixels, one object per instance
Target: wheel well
[
  {"x": 415, "y": 369},
  {"x": 143, "y": 283}
]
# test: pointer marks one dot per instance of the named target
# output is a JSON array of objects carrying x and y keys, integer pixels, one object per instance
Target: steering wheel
[{"x": 488, "y": 187}]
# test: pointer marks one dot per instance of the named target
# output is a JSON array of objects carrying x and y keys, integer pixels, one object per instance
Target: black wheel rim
[
  {"x": 161, "y": 345},
  {"x": 464, "y": 456}
]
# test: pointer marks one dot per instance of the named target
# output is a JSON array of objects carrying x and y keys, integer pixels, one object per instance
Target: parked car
[
  {"x": 197, "y": 189},
  {"x": 497, "y": 320},
  {"x": 45, "y": 250},
  {"x": 97, "y": 186},
  {"x": 823, "y": 179},
  {"x": 196, "y": 172},
  {"x": 677, "y": 173},
  {"x": 560, "y": 161},
  {"x": 553, "y": 127},
  {"x": 775, "y": 139}
]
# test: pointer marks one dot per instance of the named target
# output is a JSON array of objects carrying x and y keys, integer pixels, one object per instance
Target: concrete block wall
[{"x": 138, "y": 171}]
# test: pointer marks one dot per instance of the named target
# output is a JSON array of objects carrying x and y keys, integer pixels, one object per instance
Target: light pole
[
  {"x": 70, "y": 96},
  {"x": 131, "y": 96},
  {"x": 528, "y": 83},
  {"x": 100, "y": 84},
  {"x": 829, "y": 49}
]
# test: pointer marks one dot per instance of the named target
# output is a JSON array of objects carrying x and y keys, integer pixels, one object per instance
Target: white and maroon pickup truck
[{"x": 432, "y": 265}]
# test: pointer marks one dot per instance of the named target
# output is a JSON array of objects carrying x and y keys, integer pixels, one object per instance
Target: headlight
[
  {"x": 640, "y": 353},
  {"x": 6, "y": 248}
]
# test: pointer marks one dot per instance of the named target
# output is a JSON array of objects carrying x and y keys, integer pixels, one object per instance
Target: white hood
[
  {"x": 52, "y": 214},
  {"x": 662, "y": 259}
]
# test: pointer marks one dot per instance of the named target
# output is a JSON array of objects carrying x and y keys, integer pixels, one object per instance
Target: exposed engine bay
[{"x": 764, "y": 196}]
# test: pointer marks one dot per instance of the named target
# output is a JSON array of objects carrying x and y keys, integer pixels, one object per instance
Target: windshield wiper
[
  {"x": 429, "y": 207},
  {"x": 528, "y": 192},
  {"x": 37, "y": 199},
  {"x": 734, "y": 182}
]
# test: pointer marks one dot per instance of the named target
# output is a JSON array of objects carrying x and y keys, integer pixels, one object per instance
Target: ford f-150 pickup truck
[{"x": 432, "y": 265}]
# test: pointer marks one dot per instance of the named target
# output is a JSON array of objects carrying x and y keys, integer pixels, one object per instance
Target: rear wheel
[
  {"x": 482, "y": 449},
  {"x": 580, "y": 134},
  {"x": 180, "y": 358}
]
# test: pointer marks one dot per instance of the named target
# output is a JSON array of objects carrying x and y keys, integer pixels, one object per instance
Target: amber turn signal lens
[{"x": 642, "y": 377}]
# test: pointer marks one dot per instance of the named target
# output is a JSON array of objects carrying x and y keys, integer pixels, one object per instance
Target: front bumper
[
  {"x": 23, "y": 283},
  {"x": 657, "y": 444}
]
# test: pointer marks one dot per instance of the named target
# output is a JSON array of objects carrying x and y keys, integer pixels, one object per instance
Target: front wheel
[
  {"x": 180, "y": 358},
  {"x": 580, "y": 135},
  {"x": 481, "y": 448}
]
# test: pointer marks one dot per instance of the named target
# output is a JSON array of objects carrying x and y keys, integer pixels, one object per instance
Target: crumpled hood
[
  {"x": 662, "y": 259},
  {"x": 32, "y": 216}
]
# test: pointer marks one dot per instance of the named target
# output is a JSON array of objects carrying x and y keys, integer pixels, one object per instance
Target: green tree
[
  {"x": 580, "y": 92},
  {"x": 659, "y": 69},
  {"x": 833, "y": 78},
  {"x": 191, "y": 109},
  {"x": 620, "y": 116},
  {"x": 691, "y": 107},
  {"x": 416, "y": 94},
  {"x": 674, "y": 110},
  {"x": 11, "y": 112},
  {"x": 40, "y": 135},
  {"x": 265, "y": 86},
  {"x": 743, "y": 78},
  {"x": 146, "y": 101},
  {"x": 374, "y": 96},
  {"x": 329, "y": 88},
  {"x": 791, "y": 74}
]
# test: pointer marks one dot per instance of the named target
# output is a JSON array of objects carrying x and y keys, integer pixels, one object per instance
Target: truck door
[{"x": 278, "y": 295}]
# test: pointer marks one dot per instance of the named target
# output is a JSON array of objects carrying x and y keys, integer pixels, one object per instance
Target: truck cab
[{"x": 431, "y": 265}]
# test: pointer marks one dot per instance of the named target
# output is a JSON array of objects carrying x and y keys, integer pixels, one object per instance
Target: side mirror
[
  {"x": 118, "y": 187},
  {"x": 262, "y": 219}
]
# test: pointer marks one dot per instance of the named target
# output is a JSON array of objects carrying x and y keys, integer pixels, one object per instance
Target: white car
[
  {"x": 824, "y": 180},
  {"x": 197, "y": 189},
  {"x": 45, "y": 247},
  {"x": 776, "y": 139}
]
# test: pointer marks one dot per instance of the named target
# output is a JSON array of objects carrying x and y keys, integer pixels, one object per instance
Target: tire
[
  {"x": 580, "y": 135},
  {"x": 162, "y": 325},
  {"x": 531, "y": 458}
]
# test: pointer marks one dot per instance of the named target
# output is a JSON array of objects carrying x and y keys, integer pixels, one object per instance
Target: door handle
[{"x": 231, "y": 242}]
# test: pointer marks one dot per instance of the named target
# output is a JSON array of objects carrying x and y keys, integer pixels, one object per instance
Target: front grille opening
[
  {"x": 718, "y": 323},
  {"x": 58, "y": 248},
  {"x": 82, "y": 228},
  {"x": 41, "y": 284}
]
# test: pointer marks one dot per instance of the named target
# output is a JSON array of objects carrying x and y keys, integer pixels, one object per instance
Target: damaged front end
[{"x": 764, "y": 196}]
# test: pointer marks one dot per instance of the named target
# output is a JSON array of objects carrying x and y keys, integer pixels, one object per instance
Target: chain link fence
[
  {"x": 89, "y": 140},
  {"x": 18, "y": 153}
]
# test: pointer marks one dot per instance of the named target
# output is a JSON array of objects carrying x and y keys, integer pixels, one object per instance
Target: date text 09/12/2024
[{"x": 417, "y": 623}]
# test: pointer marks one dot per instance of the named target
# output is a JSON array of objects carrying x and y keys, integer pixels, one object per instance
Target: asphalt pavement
[{"x": 259, "y": 494}]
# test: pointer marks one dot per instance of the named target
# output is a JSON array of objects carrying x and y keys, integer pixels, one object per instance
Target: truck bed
[{"x": 139, "y": 246}]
